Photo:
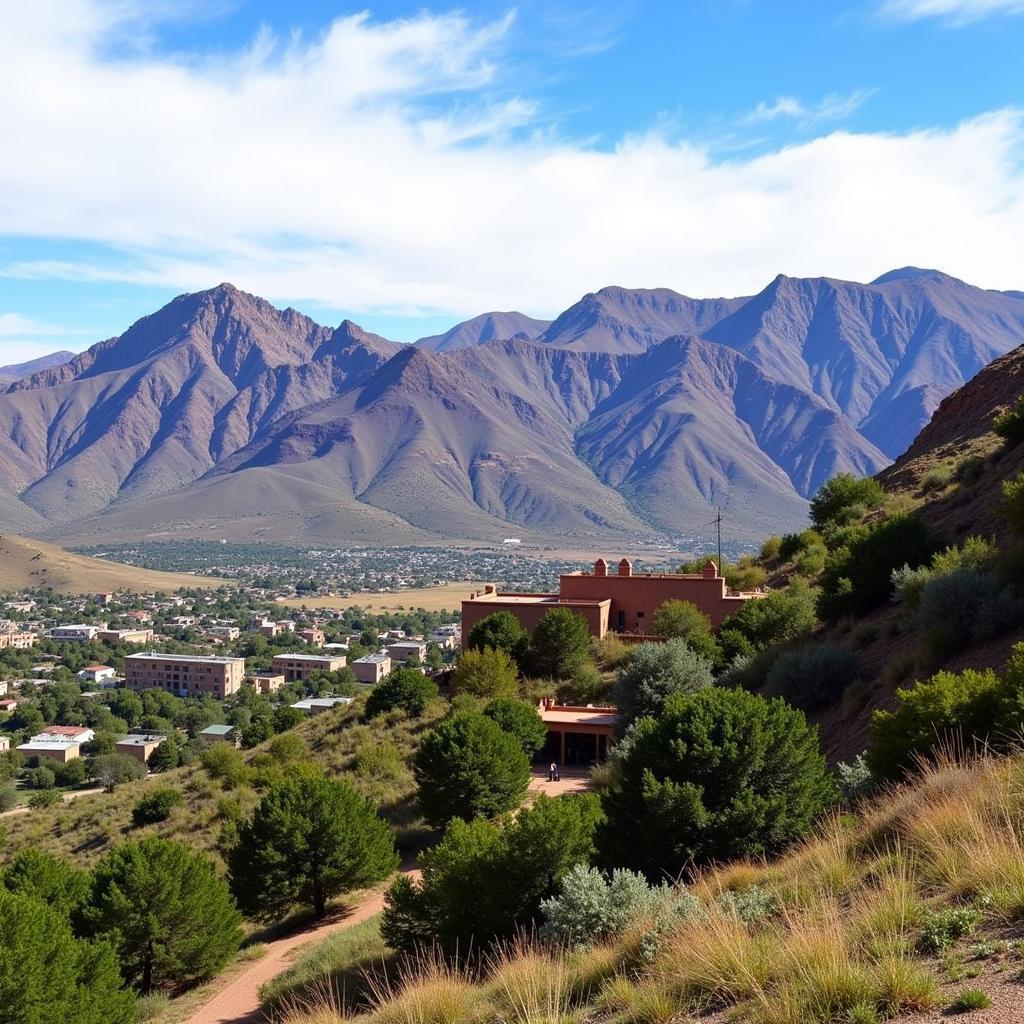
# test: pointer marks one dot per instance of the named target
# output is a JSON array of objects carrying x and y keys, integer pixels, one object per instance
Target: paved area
[{"x": 574, "y": 780}]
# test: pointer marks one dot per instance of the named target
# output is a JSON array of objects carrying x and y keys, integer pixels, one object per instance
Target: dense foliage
[
  {"x": 521, "y": 720},
  {"x": 652, "y": 674},
  {"x": 486, "y": 672},
  {"x": 501, "y": 631},
  {"x": 405, "y": 688},
  {"x": 560, "y": 644}
]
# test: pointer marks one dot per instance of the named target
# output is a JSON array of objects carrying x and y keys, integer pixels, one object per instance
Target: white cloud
[
  {"x": 14, "y": 324},
  {"x": 388, "y": 167},
  {"x": 956, "y": 11},
  {"x": 834, "y": 107}
]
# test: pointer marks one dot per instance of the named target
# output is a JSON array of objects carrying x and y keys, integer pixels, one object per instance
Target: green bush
[
  {"x": 486, "y": 672},
  {"x": 71, "y": 773},
  {"x": 1010, "y": 425},
  {"x": 8, "y": 798},
  {"x": 155, "y": 806},
  {"x": 407, "y": 689},
  {"x": 560, "y": 644},
  {"x": 937, "y": 478},
  {"x": 970, "y": 999},
  {"x": 111, "y": 770},
  {"x": 652, "y": 674},
  {"x": 776, "y": 618},
  {"x": 469, "y": 766},
  {"x": 814, "y": 676},
  {"x": 487, "y": 880},
  {"x": 501, "y": 631},
  {"x": 941, "y": 928},
  {"x": 40, "y": 778},
  {"x": 44, "y": 798},
  {"x": 678, "y": 620},
  {"x": 792, "y": 545},
  {"x": 721, "y": 774},
  {"x": 226, "y": 762},
  {"x": 521, "y": 720},
  {"x": 1013, "y": 503},
  {"x": 49, "y": 879},
  {"x": 843, "y": 499}
]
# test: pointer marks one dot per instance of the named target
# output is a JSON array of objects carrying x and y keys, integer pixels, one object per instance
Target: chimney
[
  {"x": 710, "y": 570},
  {"x": 625, "y": 567},
  {"x": 490, "y": 588},
  {"x": 600, "y": 567}
]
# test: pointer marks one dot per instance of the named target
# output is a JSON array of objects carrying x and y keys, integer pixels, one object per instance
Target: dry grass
[{"x": 446, "y": 597}]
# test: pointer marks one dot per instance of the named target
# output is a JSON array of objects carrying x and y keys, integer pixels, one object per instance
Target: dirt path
[
  {"x": 238, "y": 1002},
  {"x": 66, "y": 797}
]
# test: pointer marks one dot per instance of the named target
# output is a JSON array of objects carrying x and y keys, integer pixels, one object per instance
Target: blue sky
[{"x": 409, "y": 166}]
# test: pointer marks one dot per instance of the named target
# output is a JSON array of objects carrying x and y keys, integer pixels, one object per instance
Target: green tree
[
  {"x": 287, "y": 717},
  {"x": 155, "y": 806},
  {"x": 721, "y": 774},
  {"x": 310, "y": 839},
  {"x": 560, "y": 644},
  {"x": 469, "y": 766},
  {"x": 166, "y": 756},
  {"x": 457, "y": 903},
  {"x": 169, "y": 915},
  {"x": 776, "y": 618},
  {"x": 405, "y": 688},
  {"x": 843, "y": 499},
  {"x": 501, "y": 631},
  {"x": 226, "y": 762},
  {"x": 52, "y": 880},
  {"x": 652, "y": 674},
  {"x": 111, "y": 770},
  {"x": 521, "y": 720},
  {"x": 46, "y": 974},
  {"x": 679, "y": 620},
  {"x": 488, "y": 672}
]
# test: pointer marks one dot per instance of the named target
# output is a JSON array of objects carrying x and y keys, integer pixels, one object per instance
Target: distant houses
[{"x": 57, "y": 742}]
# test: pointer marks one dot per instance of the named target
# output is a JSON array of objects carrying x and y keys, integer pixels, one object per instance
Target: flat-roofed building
[
  {"x": 125, "y": 636},
  {"x": 577, "y": 734},
  {"x": 220, "y": 734},
  {"x": 96, "y": 673},
  {"x": 61, "y": 743},
  {"x": 318, "y": 705},
  {"x": 79, "y": 633},
  {"x": 139, "y": 745},
  {"x": 266, "y": 682},
  {"x": 371, "y": 668},
  {"x": 184, "y": 674},
  {"x": 403, "y": 650},
  {"x": 312, "y": 636},
  {"x": 302, "y": 666}
]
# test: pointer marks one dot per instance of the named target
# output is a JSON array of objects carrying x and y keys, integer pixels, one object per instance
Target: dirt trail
[{"x": 66, "y": 797}]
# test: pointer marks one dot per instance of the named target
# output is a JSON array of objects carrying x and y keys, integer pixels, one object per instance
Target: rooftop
[
  {"x": 64, "y": 730},
  {"x": 197, "y": 658},
  {"x": 372, "y": 658},
  {"x": 217, "y": 730},
  {"x": 321, "y": 702},
  {"x": 305, "y": 657},
  {"x": 571, "y": 715},
  {"x": 141, "y": 739}
]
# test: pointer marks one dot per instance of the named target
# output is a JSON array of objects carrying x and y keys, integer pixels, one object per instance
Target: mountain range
[
  {"x": 636, "y": 413},
  {"x": 16, "y": 371}
]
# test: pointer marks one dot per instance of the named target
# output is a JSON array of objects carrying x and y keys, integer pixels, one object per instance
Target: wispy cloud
[
  {"x": 958, "y": 12},
  {"x": 834, "y": 107},
  {"x": 390, "y": 166}
]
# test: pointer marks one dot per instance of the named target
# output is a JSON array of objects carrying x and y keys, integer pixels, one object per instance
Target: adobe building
[
  {"x": 125, "y": 636},
  {"x": 577, "y": 735},
  {"x": 623, "y": 603},
  {"x": 184, "y": 674},
  {"x": 301, "y": 666},
  {"x": 266, "y": 682}
]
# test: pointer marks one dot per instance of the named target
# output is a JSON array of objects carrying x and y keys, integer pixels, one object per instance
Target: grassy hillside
[
  {"x": 30, "y": 564},
  {"x": 897, "y": 911}
]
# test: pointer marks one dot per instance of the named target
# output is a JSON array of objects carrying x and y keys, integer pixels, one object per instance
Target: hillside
[
  {"x": 635, "y": 415},
  {"x": 30, "y": 564},
  {"x": 16, "y": 371}
]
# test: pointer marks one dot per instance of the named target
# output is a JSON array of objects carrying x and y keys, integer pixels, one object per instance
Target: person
[{"x": 554, "y": 775}]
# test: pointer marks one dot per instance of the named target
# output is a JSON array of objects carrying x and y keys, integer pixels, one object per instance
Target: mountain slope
[
  {"x": 482, "y": 329},
  {"x": 15, "y": 371}
]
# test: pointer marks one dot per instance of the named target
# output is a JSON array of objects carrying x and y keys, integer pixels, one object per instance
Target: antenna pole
[{"x": 718, "y": 521}]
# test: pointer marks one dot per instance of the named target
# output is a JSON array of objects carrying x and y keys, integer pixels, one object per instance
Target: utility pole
[{"x": 718, "y": 523}]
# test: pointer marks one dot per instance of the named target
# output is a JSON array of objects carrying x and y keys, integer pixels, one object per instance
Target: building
[
  {"x": 318, "y": 705},
  {"x": 266, "y": 682},
  {"x": 371, "y": 668},
  {"x": 140, "y": 617},
  {"x": 75, "y": 634},
  {"x": 96, "y": 673},
  {"x": 58, "y": 743},
  {"x": 313, "y": 636},
  {"x": 577, "y": 735},
  {"x": 220, "y": 734},
  {"x": 139, "y": 745},
  {"x": 125, "y": 636},
  {"x": 302, "y": 666},
  {"x": 184, "y": 674},
  {"x": 3, "y": 687},
  {"x": 8, "y": 704},
  {"x": 103, "y": 599},
  {"x": 624, "y": 603},
  {"x": 223, "y": 632},
  {"x": 13, "y": 636},
  {"x": 403, "y": 650},
  {"x": 5, "y": 744}
]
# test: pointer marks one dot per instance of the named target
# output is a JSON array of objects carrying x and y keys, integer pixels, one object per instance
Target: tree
[
  {"x": 776, "y": 618},
  {"x": 406, "y": 689},
  {"x": 501, "y": 631},
  {"x": 652, "y": 674},
  {"x": 111, "y": 770},
  {"x": 166, "y": 756},
  {"x": 678, "y": 620},
  {"x": 310, "y": 839},
  {"x": 46, "y": 974},
  {"x": 469, "y": 766},
  {"x": 521, "y": 720},
  {"x": 1013, "y": 503},
  {"x": 226, "y": 762},
  {"x": 155, "y": 806},
  {"x": 844, "y": 498},
  {"x": 287, "y": 717},
  {"x": 53, "y": 881},
  {"x": 560, "y": 644},
  {"x": 26, "y": 718},
  {"x": 488, "y": 672},
  {"x": 721, "y": 774},
  {"x": 458, "y": 903},
  {"x": 166, "y": 911}
]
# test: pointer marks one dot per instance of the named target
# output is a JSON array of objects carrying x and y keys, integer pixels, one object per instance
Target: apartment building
[
  {"x": 301, "y": 666},
  {"x": 403, "y": 650},
  {"x": 372, "y": 668},
  {"x": 186, "y": 675},
  {"x": 79, "y": 633},
  {"x": 13, "y": 636}
]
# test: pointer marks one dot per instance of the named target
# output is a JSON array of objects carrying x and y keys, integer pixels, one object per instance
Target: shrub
[
  {"x": 111, "y": 770},
  {"x": 855, "y": 779},
  {"x": 771, "y": 550},
  {"x": 792, "y": 545},
  {"x": 44, "y": 798},
  {"x": 167, "y": 912},
  {"x": 779, "y": 616},
  {"x": 937, "y": 478},
  {"x": 941, "y": 928},
  {"x": 71, "y": 773},
  {"x": 155, "y": 806},
  {"x": 560, "y": 644},
  {"x": 485, "y": 672},
  {"x": 970, "y": 999},
  {"x": 40, "y": 778},
  {"x": 8, "y": 798},
  {"x": 521, "y": 720},
  {"x": 652, "y": 674},
  {"x": 47, "y": 974},
  {"x": 1013, "y": 503},
  {"x": 609, "y": 652},
  {"x": 950, "y": 607},
  {"x": 501, "y": 631},
  {"x": 1010, "y": 425},
  {"x": 287, "y": 747},
  {"x": 226, "y": 762},
  {"x": 843, "y": 499},
  {"x": 166, "y": 756},
  {"x": 679, "y": 619},
  {"x": 813, "y": 676},
  {"x": 722, "y": 774},
  {"x": 460, "y": 903},
  {"x": 470, "y": 766},
  {"x": 310, "y": 839},
  {"x": 591, "y": 906},
  {"x": 407, "y": 689}
]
